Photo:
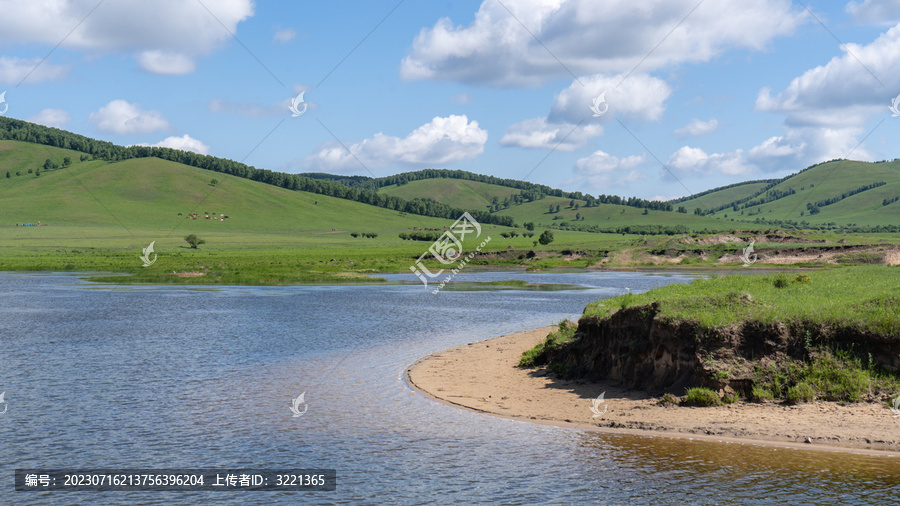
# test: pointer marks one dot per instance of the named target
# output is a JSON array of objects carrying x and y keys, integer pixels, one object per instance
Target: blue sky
[{"x": 698, "y": 94}]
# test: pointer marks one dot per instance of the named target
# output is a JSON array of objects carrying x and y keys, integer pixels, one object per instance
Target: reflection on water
[{"x": 161, "y": 377}]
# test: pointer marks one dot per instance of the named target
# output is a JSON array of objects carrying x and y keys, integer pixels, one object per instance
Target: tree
[
  {"x": 8, "y": 175},
  {"x": 214, "y": 181},
  {"x": 67, "y": 161},
  {"x": 577, "y": 216},
  {"x": 194, "y": 241},
  {"x": 546, "y": 238},
  {"x": 529, "y": 226}
]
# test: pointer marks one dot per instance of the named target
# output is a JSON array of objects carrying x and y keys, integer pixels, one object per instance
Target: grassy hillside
[
  {"x": 455, "y": 192},
  {"x": 723, "y": 197},
  {"x": 97, "y": 215},
  {"x": 820, "y": 183},
  {"x": 607, "y": 215}
]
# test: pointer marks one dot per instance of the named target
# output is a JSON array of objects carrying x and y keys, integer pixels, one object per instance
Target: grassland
[{"x": 97, "y": 216}]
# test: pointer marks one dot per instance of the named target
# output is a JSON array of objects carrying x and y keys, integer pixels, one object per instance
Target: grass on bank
[
  {"x": 864, "y": 299},
  {"x": 860, "y": 297}
]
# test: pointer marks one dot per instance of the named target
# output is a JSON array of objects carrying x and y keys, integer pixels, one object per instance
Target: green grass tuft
[{"x": 700, "y": 397}]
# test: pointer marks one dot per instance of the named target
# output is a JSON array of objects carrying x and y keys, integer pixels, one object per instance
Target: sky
[{"x": 653, "y": 98}]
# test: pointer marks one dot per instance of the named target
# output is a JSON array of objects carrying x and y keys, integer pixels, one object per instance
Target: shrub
[
  {"x": 700, "y": 397},
  {"x": 194, "y": 241},
  {"x": 546, "y": 238},
  {"x": 781, "y": 281},
  {"x": 759, "y": 394},
  {"x": 801, "y": 392}
]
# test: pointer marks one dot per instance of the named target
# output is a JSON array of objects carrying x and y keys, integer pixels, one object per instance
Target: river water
[{"x": 99, "y": 376}]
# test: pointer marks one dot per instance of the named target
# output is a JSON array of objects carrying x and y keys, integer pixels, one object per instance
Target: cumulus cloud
[
  {"x": 160, "y": 62},
  {"x": 877, "y": 12},
  {"x": 842, "y": 92},
  {"x": 284, "y": 36},
  {"x": 689, "y": 161},
  {"x": 643, "y": 99},
  {"x": 589, "y": 37},
  {"x": 51, "y": 117},
  {"x": 441, "y": 141},
  {"x": 121, "y": 117},
  {"x": 538, "y": 133},
  {"x": 802, "y": 146},
  {"x": 601, "y": 169},
  {"x": 698, "y": 127},
  {"x": 13, "y": 70},
  {"x": 184, "y": 143},
  {"x": 165, "y": 35}
]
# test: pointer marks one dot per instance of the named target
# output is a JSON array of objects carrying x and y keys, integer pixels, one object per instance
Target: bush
[
  {"x": 194, "y": 241},
  {"x": 759, "y": 394},
  {"x": 801, "y": 392},
  {"x": 700, "y": 397},
  {"x": 546, "y": 238},
  {"x": 781, "y": 281}
]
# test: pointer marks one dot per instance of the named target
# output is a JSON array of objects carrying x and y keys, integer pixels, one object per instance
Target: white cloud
[
  {"x": 121, "y": 117},
  {"x": 538, "y": 133},
  {"x": 51, "y": 117},
  {"x": 601, "y": 170},
  {"x": 643, "y": 98},
  {"x": 184, "y": 143},
  {"x": 284, "y": 36},
  {"x": 13, "y": 70},
  {"x": 589, "y": 37},
  {"x": 877, "y": 12},
  {"x": 688, "y": 161},
  {"x": 802, "y": 146},
  {"x": 842, "y": 92},
  {"x": 159, "y": 62},
  {"x": 441, "y": 141},
  {"x": 698, "y": 127},
  {"x": 179, "y": 31}
]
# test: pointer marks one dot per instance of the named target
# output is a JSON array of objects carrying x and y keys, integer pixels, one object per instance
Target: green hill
[
  {"x": 454, "y": 192},
  {"x": 836, "y": 194}
]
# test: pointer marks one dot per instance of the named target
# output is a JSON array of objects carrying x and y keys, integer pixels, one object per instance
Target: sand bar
[{"x": 482, "y": 376}]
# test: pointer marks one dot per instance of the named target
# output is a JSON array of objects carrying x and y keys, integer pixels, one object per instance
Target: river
[{"x": 105, "y": 376}]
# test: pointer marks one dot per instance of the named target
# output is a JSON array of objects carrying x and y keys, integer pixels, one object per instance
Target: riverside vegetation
[{"x": 822, "y": 335}]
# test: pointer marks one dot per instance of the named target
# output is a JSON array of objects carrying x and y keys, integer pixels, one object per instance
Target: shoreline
[{"x": 483, "y": 377}]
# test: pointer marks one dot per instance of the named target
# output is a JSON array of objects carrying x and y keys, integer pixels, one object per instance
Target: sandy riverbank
[{"x": 482, "y": 376}]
